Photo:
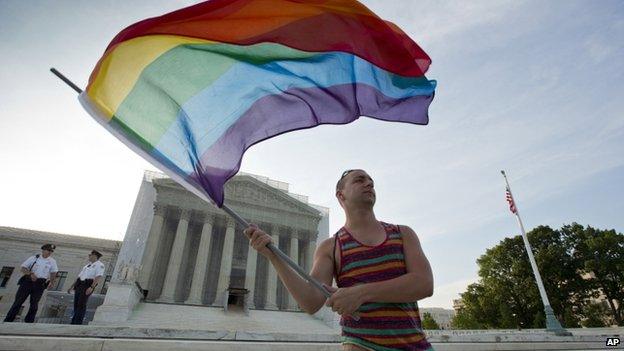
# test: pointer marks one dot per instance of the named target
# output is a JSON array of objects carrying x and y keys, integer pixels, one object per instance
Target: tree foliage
[
  {"x": 576, "y": 264},
  {"x": 602, "y": 255},
  {"x": 428, "y": 322}
]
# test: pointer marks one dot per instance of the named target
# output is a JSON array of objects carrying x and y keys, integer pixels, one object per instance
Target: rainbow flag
[{"x": 193, "y": 89}]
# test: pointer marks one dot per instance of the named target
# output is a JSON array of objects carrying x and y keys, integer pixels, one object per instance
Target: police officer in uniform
[
  {"x": 39, "y": 273},
  {"x": 88, "y": 279}
]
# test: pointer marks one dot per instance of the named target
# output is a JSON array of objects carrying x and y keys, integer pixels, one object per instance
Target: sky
[{"x": 530, "y": 87}]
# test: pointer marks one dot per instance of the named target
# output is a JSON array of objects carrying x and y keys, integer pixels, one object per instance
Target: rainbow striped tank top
[{"x": 382, "y": 326}]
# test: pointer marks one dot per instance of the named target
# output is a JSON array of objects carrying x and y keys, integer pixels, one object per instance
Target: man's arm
[
  {"x": 52, "y": 278},
  {"x": 29, "y": 273},
  {"x": 53, "y": 273},
  {"x": 96, "y": 281},
  {"x": 25, "y": 268},
  {"x": 306, "y": 295},
  {"x": 416, "y": 284},
  {"x": 71, "y": 287}
]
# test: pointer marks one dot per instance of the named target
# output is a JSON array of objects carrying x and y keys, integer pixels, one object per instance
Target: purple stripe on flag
[{"x": 299, "y": 109}]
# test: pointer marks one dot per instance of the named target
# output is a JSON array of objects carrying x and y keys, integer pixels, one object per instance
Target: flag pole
[
  {"x": 240, "y": 220},
  {"x": 552, "y": 324}
]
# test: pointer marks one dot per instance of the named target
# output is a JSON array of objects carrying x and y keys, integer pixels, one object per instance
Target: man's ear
[{"x": 339, "y": 195}]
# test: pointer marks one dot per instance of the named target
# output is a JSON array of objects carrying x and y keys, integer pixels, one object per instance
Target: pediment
[{"x": 246, "y": 189}]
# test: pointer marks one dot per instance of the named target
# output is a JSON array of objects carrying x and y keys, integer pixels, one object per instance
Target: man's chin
[{"x": 370, "y": 201}]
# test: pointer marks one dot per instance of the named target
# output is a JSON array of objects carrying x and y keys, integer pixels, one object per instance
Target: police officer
[
  {"x": 39, "y": 273},
  {"x": 88, "y": 279}
]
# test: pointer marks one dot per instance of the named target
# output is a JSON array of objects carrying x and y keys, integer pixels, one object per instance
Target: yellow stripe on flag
[{"x": 121, "y": 68}]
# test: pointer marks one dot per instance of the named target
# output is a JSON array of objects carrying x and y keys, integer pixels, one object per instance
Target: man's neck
[{"x": 362, "y": 221}]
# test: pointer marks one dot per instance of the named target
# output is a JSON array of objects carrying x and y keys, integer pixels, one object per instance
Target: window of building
[
  {"x": 5, "y": 275},
  {"x": 105, "y": 284},
  {"x": 61, "y": 276}
]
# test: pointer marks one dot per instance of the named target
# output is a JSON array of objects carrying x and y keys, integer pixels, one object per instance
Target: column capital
[
  {"x": 159, "y": 209},
  {"x": 267, "y": 227},
  {"x": 206, "y": 218},
  {"x": 310, "y": 235},
  {"x": 300, "y": 233},
  {"x": 230, "y": 222},
  {"x": 284, "y": 229},
  {"x": 185, "y": 214}
]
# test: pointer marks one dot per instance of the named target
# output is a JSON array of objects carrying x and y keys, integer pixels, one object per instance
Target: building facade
[{"x": 182, "y": 250}]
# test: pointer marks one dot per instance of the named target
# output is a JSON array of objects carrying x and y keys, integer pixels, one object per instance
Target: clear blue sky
[{"x": 532, "y": 87}]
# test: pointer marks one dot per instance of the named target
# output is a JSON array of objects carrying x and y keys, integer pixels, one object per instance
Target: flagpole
[
  {"x": 238, "y": 219},
  {"x": 552, "y": 324}
]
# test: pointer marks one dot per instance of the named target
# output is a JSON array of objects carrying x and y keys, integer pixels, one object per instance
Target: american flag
[{"x": 512, "y": 204}]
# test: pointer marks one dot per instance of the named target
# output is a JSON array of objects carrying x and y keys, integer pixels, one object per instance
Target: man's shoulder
[
  {"x": 404, "y": 229},
  {"x": 326, "y": 245},
  {"x": 29, "y": 260}
]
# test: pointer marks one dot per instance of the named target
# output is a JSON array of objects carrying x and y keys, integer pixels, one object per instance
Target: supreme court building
[{"x": 181, "y": 250}]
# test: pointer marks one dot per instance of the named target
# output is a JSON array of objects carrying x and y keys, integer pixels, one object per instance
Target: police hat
[
  {"x": 49, "y": 247},
  {"x": 95, "y": 252}
]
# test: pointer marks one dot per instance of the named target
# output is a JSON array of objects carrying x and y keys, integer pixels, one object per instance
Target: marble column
[
  {"x": 201, "y": 263},
  {"x": 294, "y": 255},
  {"x": 151, "y": 246},
  {"x": 226, "y": 262},
  {"x": 250, "y": 275},
  {"x": 271, "y": 293},
  {"x": 175, "y": 259},
  {"x": 310, "y": 254}
]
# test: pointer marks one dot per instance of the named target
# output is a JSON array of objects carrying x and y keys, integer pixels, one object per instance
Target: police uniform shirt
[
  {"x": 42, "y": 266},
  {"x": 92, "y": 270}
]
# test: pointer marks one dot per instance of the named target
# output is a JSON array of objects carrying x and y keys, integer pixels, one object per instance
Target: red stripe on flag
[{"x": 512, "y": 204}]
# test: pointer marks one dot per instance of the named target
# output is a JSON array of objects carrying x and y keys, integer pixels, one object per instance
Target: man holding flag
[
  {"x": 190, "y": 93},
  {"x": 380, "y": 269}
]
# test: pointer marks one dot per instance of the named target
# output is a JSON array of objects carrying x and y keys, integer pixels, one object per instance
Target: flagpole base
[{"x": 552, "y": 324}]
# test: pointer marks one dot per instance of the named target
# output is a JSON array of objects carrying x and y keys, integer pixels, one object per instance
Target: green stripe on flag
[{"x": 179, "y": 74}]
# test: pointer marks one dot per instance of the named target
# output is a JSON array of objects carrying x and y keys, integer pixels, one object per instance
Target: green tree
[
  {"x": 594, "y": 314},
  {"x": 602, "y": 255},
  {"x": 507, "y": 295},
  {"x": 428, "y": 322},
  {"x": 465, "y": 320},
  {"x": 477, "y": 312},
  {"x": 506, "y": 273}
]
